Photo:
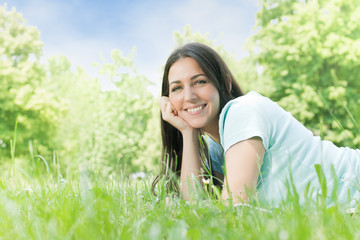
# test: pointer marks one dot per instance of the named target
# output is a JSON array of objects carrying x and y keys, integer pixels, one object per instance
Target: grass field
[{"x": 120, "y": 208}]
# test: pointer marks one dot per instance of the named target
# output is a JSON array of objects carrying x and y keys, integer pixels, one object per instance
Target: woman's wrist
[
  {"x": 191, "y": 145},
  {"x": 190, "y": 133}
]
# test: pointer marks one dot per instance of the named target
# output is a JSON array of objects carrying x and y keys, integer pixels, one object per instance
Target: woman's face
[{"x": 193, "y": 95}]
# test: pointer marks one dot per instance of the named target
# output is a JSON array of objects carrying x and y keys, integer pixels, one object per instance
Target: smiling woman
[
  {"x": 258, "y": 146},
  {"x": 193, "y": 79}
]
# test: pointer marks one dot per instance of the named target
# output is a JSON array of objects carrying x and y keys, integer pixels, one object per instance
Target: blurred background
[{"x": 79, "y": 81}]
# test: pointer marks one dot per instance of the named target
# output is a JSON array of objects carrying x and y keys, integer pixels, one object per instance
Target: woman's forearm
[{"x": 191, "y": 163}]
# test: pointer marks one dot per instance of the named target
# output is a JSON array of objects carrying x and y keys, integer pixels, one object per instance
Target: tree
[
  {"x": 22, "y": 98},
  {"x": 310, "y": 50},
  {"x": 127, "y": 118},
  {"x": 105, "y": 130}
]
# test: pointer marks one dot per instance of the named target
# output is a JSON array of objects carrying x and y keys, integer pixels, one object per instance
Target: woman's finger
[
  {"x": 169, "y": 112},
  {"x": 166, "y": 108},
  {"x": 163, "y": 101}
]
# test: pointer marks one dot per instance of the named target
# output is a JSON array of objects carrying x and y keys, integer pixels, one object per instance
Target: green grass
[{"x": 119, "y": 208}]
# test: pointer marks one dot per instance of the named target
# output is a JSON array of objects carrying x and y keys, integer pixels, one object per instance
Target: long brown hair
[{"x": 217, "y": 71}]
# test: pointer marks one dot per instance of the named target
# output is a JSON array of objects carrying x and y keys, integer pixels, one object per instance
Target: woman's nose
[{"x": 189, "y": 94}]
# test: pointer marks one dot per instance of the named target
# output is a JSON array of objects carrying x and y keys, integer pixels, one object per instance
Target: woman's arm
[
  {"x": 191, "y": 161},
  {"x": 243, "y": 161}
]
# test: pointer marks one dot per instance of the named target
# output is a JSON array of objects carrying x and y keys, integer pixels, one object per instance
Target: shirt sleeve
[{"x": 242, "y": 119}]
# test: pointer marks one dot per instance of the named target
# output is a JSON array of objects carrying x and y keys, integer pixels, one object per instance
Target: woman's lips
[{"x": 195, "y": 110}]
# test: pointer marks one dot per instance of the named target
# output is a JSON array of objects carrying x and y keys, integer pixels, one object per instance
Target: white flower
[{"x": 206, "y": 181}]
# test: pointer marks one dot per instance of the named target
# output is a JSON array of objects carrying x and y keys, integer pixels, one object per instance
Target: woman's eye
[
  {"x": 174, "y": 89},
  {"x": 200, "y": 82}
]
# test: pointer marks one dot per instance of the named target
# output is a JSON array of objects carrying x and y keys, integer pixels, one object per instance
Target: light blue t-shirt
[{"x": 289, "y": 148}]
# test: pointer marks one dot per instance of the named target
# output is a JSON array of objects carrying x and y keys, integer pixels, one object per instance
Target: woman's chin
[{"x": 197, "y": 125}]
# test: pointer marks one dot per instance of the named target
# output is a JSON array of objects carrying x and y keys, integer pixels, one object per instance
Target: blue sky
[{"x": 81, "y": 29}]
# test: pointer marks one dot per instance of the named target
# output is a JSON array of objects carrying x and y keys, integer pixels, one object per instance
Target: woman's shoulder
[
  {"x": 251, "y": 97},
  {"x": 251, "y": 101},
  {"x": 245, "y": 117}
]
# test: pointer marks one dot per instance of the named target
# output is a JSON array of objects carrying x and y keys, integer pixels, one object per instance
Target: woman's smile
[{"x": 195, "y": 110}]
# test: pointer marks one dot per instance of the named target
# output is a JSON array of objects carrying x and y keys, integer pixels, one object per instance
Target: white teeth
[{"x": 194, "y": 110}]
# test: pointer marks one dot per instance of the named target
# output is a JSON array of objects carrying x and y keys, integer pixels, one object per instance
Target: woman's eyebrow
[
  {"x": 197, "y": 75},
  {"x": 178, "y": 81}
]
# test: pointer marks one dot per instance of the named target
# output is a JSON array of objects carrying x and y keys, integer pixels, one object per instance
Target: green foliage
[
  {"x": 22, "y": 97},
  {"x": 126, "y": 117},
  {"x": 65, "y": 119},
  {"x": 310, "y": 53},
  {"x": 107, "y": 130}
]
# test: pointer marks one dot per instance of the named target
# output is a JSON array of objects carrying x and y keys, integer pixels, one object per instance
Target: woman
[{"x": 257, "y": 145}]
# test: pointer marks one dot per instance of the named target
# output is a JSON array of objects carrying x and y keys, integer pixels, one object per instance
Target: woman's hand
[{"x": 170, "y": 115}]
